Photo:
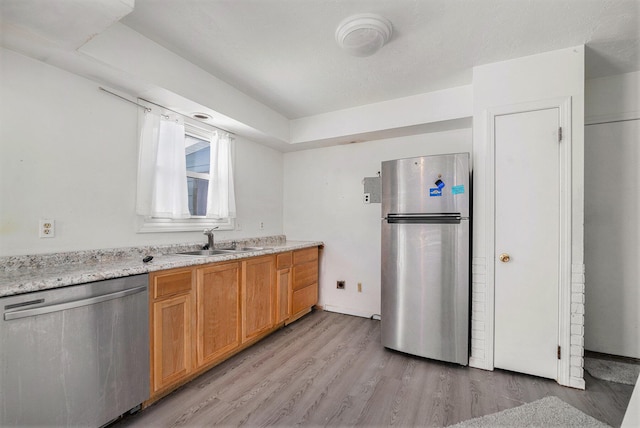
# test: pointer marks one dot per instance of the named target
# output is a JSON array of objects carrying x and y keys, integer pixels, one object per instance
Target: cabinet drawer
[
  {"x": 284, "y": 260},
  {"x": 304, "y": 298},
  {"x": 305, "y": 274},
  {"x": 306, "y": 255},
  {"x": 172, "y": 283}
]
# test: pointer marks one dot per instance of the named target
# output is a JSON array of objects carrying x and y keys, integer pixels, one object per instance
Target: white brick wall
[
  {"x": 576, "y": 352},
  {"x": 478, "y": 314},
  {"x": 480, "y": 324}
]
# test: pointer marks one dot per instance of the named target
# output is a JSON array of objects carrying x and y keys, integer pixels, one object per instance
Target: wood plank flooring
[{"x": 330, "y": 369}]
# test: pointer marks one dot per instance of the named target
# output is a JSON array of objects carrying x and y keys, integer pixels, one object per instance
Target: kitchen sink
[
  {"x": 219, "y": 251},
  {"x": 207, "y": 252}
]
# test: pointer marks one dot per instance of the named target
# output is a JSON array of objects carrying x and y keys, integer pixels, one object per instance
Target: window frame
[{"x": 147, "y": 224}]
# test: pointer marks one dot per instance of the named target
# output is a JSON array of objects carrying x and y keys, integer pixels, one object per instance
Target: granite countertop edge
[{"x": 44, "y": 278}]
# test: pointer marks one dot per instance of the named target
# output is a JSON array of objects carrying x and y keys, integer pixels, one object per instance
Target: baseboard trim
[
  {"x": 346, "y": 311},
  {"x": 605, "y": 356}
]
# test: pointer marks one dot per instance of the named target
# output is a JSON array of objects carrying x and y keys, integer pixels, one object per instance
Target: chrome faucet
[{"x": 209, "y": 233}]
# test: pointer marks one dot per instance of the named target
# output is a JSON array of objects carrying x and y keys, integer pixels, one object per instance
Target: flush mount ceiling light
[
  {"x": 363, "y": 34},
  {"x": 201, "y": 116}
]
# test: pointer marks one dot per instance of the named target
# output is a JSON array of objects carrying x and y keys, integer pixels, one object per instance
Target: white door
[{"x": 527, "y": 239}]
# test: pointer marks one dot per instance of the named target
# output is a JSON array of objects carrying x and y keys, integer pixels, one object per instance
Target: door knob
[{"x": 504, "y": 257}]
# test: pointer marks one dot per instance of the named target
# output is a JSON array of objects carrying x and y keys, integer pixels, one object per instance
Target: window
[
  {"x": 198, "y": 155},
  {"x": 202, "y": 174}
]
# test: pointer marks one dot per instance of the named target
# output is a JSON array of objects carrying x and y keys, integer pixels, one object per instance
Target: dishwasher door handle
[{"x": 24, "y": 313}]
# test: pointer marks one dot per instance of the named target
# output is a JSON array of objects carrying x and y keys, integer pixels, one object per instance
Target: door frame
[{"x": 563, "y": 105}]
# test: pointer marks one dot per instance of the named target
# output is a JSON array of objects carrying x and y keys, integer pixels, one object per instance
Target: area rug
[
  {"x": 547, "y": 412},
  {"x": 612, "y": 371}
]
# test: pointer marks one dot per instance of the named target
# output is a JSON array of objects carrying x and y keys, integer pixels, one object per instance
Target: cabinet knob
[{"x": 504, "y": 257}]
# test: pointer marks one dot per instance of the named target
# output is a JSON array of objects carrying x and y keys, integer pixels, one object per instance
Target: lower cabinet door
[
  {"x": 283, "y": 295},
  {"x": 218, "y": 321},
  {"x": 172, "y": 350},
  {"x": 258, "y": 290}
]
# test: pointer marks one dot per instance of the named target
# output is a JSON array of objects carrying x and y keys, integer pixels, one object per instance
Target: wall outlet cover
[{"x": 47, "y": 228}]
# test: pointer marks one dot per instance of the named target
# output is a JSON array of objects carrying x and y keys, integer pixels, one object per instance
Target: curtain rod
[
  {"x": 123, "y": 98},
  {"x": 147, "y": 109}
]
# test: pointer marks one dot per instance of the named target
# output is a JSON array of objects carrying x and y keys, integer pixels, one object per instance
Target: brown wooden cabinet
[
  {"x": 218, "y": 323},
  {"x": 305, "y": 281},
  {"x": 258, "y": 294},
  {"x": 172, "y": 303},
  {"x": 201, "y": 315}
]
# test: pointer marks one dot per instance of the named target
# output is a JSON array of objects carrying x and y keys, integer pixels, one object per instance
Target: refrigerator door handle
[{"x": 449, "y": 218}]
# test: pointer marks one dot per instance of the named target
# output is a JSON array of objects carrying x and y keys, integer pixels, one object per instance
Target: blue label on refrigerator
[
  {"x": 457, "y": 190},
  {"x": 434, "y": 191}
]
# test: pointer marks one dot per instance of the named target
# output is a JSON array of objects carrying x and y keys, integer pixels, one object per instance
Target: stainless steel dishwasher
[{"x": 74, "y": 356}]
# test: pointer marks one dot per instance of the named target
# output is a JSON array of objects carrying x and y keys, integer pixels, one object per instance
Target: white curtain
[
  {"x": 221, "y": 200},
  {"x": 162, "y": 185}
]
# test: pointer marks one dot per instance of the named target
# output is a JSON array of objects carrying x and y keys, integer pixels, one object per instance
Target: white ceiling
[
  {"x": 66, "y": 23},
  {"x": 283, "y": 52}
]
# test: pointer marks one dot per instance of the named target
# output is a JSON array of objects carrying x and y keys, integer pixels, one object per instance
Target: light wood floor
[{"x": 330, "y": 369}]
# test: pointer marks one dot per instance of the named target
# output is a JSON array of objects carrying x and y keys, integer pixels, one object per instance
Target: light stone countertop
[{"x": 20, "y": 277}]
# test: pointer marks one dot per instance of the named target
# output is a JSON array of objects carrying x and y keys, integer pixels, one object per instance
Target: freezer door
[
  {"x": 425, "y": 290},
  {"x": 429, "y": 184}
]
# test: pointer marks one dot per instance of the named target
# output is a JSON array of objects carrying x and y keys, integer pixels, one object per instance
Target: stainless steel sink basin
[
  {"x": 207, "y": 252},
  {"x": 219, "y": 251}
]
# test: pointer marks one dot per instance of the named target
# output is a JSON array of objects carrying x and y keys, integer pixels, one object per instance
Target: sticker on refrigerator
[
  {"x": 457, "y": 190},
  {"x": 434, "y": 191}
]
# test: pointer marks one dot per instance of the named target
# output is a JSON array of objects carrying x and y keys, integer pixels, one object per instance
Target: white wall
[
  {"x": 323, "y": 200},
  {"x": 354, "y": 124},
  {"x": 612, "y": 98},
  {"x": 612, "y": 210},
  {"x": 69, "y": 152}
]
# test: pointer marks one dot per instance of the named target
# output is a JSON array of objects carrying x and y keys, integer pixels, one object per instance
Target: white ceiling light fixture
[
  {"x": 363, "y": 34},
  {"x": 201, "y": 116}
]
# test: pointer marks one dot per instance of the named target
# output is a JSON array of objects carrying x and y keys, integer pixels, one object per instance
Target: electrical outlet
[
  {"x": 340, "y": 285},
  {"x": 238, "y": 226},
  {"x": 47, "y": 228},
  {"x": 261, "y": 225},
  {"x": 367, "y": 198},
  {"x": 359, "y": 287}
]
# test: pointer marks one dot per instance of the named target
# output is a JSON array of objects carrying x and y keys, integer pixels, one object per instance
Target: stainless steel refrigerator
[{"x": 425, "y": 256}]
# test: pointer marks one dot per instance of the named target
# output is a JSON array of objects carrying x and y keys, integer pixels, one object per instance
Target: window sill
[{"x": 154, "y": 225}]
